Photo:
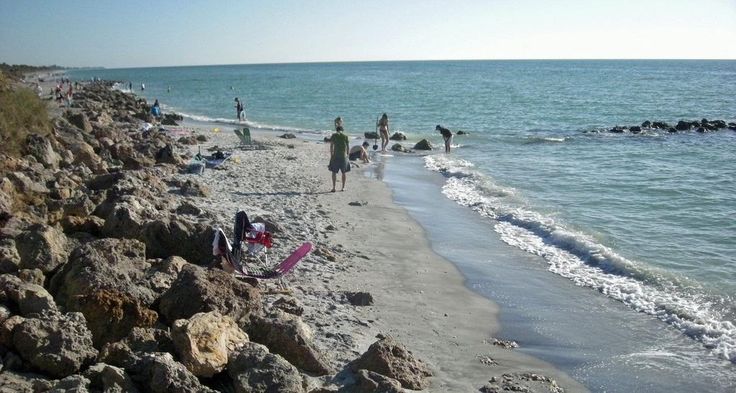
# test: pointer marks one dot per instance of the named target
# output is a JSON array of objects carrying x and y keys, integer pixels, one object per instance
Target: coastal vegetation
[{"x": 22, "y": 113}]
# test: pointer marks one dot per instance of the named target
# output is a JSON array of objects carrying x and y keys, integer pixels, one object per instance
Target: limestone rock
[
  {"x": 42, "y": 247},
  {"x": 106, "y": 280},
  {"x": 110, "y": 379},
  {"x": 390, "y": 358},
  {"x": 288, "y": 336},
  {"x": 372, "y": 382},
  {"x": 160, "y": 373},
  {"x": 423, "y": 145},
  {"x": 9, "y": 257},
  {"x": 59, "y": 345},
  {"x": 41, "y": 149},
  {"x": 398, "y": 147},
  {"x": 289, "y": 305},
  {"x": 205, "y": 340},
  {"x": 208, "y": 290},
  {"x": 359, "y": 298},
  {"x": 31, "y": 299},
  {"x": 398, "y": 136},
  {"x": 71, "y": 384},
  {"x": 177, "y": 236},
  {"x": 79, "y": 120},
  {"x": 253, "y": 369}
]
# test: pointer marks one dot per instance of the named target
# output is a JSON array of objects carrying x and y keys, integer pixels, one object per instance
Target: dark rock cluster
[
  {"x": 105, "y": 277},
  {"x": 701, "y": 126}
]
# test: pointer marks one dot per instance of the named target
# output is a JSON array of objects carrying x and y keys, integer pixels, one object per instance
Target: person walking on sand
[
  {"x": 240, "y": 109},
  {"x": 339, "y": 146},
  {"x": 383, "y": 130},
  {"x": 446, "y": 135}
]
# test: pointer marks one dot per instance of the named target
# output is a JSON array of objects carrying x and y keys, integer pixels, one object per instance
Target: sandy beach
[
  {"x": 130, "y": 206},
  {"x": 377, "y": 248}
]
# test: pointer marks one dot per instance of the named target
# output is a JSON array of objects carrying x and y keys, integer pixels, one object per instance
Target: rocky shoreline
[{"x": 107, "y": 280}]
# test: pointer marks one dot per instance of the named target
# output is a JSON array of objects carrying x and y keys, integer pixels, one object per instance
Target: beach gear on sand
[{"x": 252, "y": 241}]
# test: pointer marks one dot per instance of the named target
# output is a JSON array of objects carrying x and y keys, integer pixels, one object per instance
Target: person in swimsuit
[
  {"x": 383, "y": 130},
  {"x": 240, "y": 109},
  {"x": 446, "y": 135}
]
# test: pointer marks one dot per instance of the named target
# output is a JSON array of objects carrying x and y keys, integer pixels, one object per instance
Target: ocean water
[{"x": 617, "y": 250}]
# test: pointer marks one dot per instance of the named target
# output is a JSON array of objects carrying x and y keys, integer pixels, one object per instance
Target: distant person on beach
[
  {"x": 239, "y": 109},
  {"x": 383, "y": 130},
  {"x": 156, "y": 109},
  {"x": 338, "y": 122},
  {"x": 339, "y": 162},
  {"x": 446, "y": 135},
  {"x": 130, "y": 86},
  {"x": 143, "y": 86},
  {"x": 359, "y": 152}
]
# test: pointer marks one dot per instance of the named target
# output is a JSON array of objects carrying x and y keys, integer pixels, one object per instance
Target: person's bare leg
[
  {"x": 334, "y": 180},
  {"x": 343, "y": 182}
]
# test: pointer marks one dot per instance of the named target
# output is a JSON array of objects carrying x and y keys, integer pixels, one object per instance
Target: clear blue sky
[{"x": 155, "y": 33}]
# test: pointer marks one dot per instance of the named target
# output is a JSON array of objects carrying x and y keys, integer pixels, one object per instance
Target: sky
[{"x": 133, "y": 33}]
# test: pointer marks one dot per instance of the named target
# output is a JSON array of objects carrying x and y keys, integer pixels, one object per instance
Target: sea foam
[{"x": 586, "y": 262}]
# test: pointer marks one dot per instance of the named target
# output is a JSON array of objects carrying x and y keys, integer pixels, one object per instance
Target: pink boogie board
[{"x": 296, "y": 256}]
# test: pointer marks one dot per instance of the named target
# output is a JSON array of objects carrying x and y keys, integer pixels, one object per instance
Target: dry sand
[{"x": 373, "y": 246}]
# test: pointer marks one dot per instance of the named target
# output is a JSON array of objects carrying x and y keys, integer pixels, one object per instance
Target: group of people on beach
[{"x": 341, "y": 153}]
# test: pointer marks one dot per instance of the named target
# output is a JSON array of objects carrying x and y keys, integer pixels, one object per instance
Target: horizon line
[{"x": 399, "y": 61}]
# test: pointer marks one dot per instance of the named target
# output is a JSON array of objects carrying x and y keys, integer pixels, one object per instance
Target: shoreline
[
  {"x": 420, "y": 307},
  {"x": 413, "y": 293}
]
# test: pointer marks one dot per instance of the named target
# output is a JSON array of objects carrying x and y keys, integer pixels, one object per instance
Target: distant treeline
[{"x": 16, "y": 71}]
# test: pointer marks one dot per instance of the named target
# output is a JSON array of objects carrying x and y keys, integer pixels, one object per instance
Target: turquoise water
[{"x": 646, "y": 222}]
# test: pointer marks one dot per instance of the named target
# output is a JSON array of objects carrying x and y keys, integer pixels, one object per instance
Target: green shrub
[{"x": 21, "y": 113}]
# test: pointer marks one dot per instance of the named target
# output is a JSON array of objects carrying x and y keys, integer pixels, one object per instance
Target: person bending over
[
  {"x": 446, "y": 135},
  {"x": 359, "y": 152},
  {"x": 339, "y": 156}
]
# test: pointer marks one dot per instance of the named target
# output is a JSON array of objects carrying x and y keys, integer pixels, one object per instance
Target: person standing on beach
[
  {"x": 240, "y": 109},
  {"x": 338, "y": 122},
  {"x": 446, "y": 135},
  {"x": 383, "y": 130},
  {"x": 339, "y": 146}
]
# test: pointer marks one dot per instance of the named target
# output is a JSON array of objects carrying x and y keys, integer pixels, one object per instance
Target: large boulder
[
  {"x": 208, "y": 290},
  {"x": 41, "y": 247},
  {"x": 42, "y": 150},
  {"x": 391, "y": 358},
  {"x": 398, "y": 147},
  {"x": 107, "y": 281},
  {"x": 106, "y": 378},
  {"x": 398, "y": 136},
  {"x": 85, "y": 154},
  {"x": 683, "y": 125},
  {"x": 287, "y": 335},
  {"x": 205, "y": 340},
  {"x": 423, "y": 145},
  {"x": 254, "y": 370},
  {"x": 59, "y": 345},
  {"x": 79, "y": 120},
  {"x": 160, "y": 373},
  {"x": 30, "y": 299},
  {"x": 176, "y": 236}
]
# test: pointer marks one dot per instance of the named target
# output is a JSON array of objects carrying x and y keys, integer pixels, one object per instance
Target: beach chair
[
  {"x": 234, "y": 258},
  {"x": 244, "y": 136}
]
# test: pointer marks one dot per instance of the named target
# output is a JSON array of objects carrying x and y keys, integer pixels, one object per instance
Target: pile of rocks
[
  {"x": 701, "y": 126},
  {"x": 105, "y": 277}
]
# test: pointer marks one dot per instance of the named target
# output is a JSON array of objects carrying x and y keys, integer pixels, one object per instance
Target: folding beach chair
[
  {"x": 244, "y": 136},
  {"x": 233, "y": 258}
]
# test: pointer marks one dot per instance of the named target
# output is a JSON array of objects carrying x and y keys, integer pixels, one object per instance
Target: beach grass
[{"x": 22, "y": 113}]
